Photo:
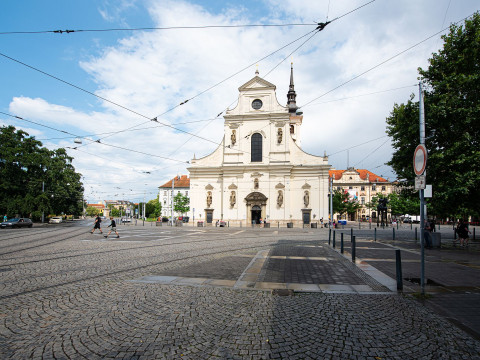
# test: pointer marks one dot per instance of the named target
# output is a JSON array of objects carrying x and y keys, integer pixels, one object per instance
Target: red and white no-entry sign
[{"x": 420, "y": 159}]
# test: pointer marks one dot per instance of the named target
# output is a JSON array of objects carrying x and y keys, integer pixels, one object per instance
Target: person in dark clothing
[
  {"x": 114, "y": 227},
  {"x": 97, "y": 225},
  {"x": 462, "y": 231},
  {"x": 426, "y": 234}
]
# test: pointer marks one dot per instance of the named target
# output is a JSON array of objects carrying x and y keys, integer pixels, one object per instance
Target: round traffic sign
[{"x": 420, "y": 159}]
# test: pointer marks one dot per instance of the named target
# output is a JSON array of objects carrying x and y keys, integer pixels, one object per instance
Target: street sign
[
  {"x": 420, "y": 159},
  {"x": 420, "y": 182}
]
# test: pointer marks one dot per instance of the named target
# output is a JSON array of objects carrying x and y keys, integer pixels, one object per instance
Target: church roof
[
  {"x": 181, "y": 181},
  {"x": 362, "y": 172},
  {"x": 257, "y": 83}
]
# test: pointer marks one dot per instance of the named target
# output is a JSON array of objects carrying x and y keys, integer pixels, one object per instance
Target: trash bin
[
  {"x": 200, "y": 224},
  {"x": 289, "y": 225},
  {"x": 266, "y": 225},
  {"x": 313, "y": 225}
]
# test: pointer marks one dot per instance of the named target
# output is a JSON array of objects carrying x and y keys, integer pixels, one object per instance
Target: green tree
[
  {"x": 342, "y": 204},
  {"x": 181, "y": 203},
  {"x": 26, "y": 167},
  {"x": 153, "y": 208},
  {"x": 452, "y": 123},
  {"x": 91, "y": 211}
]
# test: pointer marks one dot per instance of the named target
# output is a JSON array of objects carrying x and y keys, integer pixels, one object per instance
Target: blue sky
[{"x": 150, "y": 72}]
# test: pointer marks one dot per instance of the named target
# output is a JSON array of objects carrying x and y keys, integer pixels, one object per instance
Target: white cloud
[{"x": 151, "y": 72}]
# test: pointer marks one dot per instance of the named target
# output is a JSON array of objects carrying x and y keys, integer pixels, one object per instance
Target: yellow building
[{"x": 362, "y": 185}]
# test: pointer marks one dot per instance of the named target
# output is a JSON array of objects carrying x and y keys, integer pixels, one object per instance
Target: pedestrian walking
[
  {"x": 462, "y": 231},
  {"x": 5, "y": 218},
  {"x": 97, "y": 225},
  {"x": 114, "y": 228}
]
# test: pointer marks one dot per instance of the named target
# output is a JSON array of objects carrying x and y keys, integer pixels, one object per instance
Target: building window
[
  {"x": 374, "y": 187},
  {"x": 256, "y": 147},
  {"x": 383, "y": 188},
  {"x": 339, "y": 188},
  {"x": 363, "y": 201},
  {"x": 186, "y": 193},
  {"x": 164, "y": 193},
  {"x": 292, "y": 129},
  {"x": 350, "y": 187},
  {"x": 362, "y": 188},
  {"x": 164, "y": 202}
]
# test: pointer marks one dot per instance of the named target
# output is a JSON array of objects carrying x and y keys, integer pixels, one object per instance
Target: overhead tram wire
[
  {"x": 155, "y": 119},
  {"x": 320, "y": 26},
  {"x": 380, "y": 64},
  {"x": 94, "y": 141},
  {"x": 69, "y": 31}
]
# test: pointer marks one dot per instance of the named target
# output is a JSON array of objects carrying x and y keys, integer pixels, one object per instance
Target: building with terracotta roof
[
  {"x": 181, "y": 185},
  {"x": 363, "y": 185}
]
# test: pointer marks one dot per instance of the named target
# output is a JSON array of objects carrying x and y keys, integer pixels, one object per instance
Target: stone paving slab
[{"x": 62, "y": 298}]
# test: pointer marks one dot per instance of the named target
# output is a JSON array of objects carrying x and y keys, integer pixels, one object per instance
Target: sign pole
[{"x": 422, "y": 198}]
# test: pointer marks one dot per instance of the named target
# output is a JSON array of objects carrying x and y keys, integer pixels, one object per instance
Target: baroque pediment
[{"x": 257, "y": 83}]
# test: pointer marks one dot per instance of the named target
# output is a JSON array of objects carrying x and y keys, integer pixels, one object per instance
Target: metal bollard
[
  {"x": 353, "y": 249},
  {"x": 359, "y": 225},
  {"x": 399, "y": 270},
  {"x": 333, "y": 243},
  {"x": 454, "y": 235},
  {"x": 473, "y": 234},
  {"x": 375, "y": 235},
  {"x": 369, "y": 225},
  {"x": 415, "y": 234},
  {"x": 341, "y": 243},
  {"x": 411, "y": 226},
  {"x": 329, "y": 235},
  {"x": 351, "y": 234},
  {"x": 393, "y": 234}
]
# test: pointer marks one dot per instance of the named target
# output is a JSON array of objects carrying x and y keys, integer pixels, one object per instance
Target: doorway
[{"x": 256, "y": 214}]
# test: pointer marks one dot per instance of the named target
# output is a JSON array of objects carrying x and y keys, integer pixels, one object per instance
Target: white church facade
[{"x": 259, "y": 171}]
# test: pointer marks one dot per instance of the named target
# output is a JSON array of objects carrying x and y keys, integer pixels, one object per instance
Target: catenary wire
[
  {"x": 69, "y": 31},
  {"x": 379, "y": 64}
]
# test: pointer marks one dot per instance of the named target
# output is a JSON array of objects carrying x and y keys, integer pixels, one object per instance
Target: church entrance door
[
  {"x": 256, "y": 214},
  {"x": 256, "y": 207}
]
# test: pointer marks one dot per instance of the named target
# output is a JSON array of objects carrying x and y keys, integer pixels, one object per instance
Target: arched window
[{"x": 256, "y": 147}]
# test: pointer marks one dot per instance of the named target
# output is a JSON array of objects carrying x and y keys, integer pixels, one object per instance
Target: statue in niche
[
  {"x": 279, "y": 135},
  {"x": 280, "y": 198},
  {"x": 306, "y": 199},
  {"x": 255, "y": 183},
  {"x": 233, "y": 137},
  {"x": 233, "y": 199},
  {"x": 209, "y": 199}
]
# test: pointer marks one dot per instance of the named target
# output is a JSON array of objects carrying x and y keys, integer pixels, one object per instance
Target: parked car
[
  {"x": 126, "y": 219},
  {"x": 342, "y": 222},
  {"x": 55, "y": 220},
  {"x": 16, "y": 223}
]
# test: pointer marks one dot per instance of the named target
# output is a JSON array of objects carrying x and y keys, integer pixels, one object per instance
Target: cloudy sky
[{"x": 108, "y": 85}]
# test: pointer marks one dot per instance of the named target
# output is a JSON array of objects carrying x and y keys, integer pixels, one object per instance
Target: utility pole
[
  {"x": 43, "y": 212},
  {"x": 144, "y": 194},
  {"x": 173, "y": 186},
  {"x": 330, "y": 180},
  {"x": 422, "y": 198}
]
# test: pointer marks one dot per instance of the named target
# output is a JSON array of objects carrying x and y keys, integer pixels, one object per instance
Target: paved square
[{"x": 64, "y": 298}]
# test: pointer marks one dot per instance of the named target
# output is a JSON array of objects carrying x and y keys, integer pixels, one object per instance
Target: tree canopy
[
  {"x": 343, "y": 204},
  {"x": 26, "y": 168},
  {"x": 452, "y": 124}
]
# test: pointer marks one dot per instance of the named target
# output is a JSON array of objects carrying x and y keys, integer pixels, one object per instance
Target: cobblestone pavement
[{"x": 66, "y": 294}]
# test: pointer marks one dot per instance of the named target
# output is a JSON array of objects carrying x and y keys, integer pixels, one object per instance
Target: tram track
[{"x": 151, "y": 265}]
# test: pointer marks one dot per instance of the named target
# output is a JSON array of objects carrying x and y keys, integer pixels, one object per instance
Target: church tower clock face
[{"x": 257, "y": 104}]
